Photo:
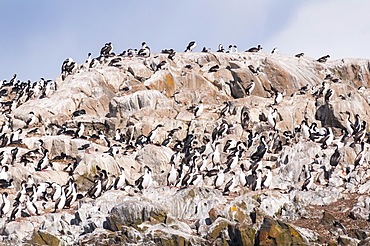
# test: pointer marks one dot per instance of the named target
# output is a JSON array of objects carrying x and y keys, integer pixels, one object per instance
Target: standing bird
[
  {"x": 220, "y": 48},
  {"x": 151, "y": 136},
  {"x": 307, "y": 184},
  {"x": 360, "y": 135},
  {"x": 335, "y": 157},
  {"x": 120, "y": 181},
  {"x": 106, "y": 50},
  {"x": 219, "y": 180},
  {"x": 190, "y": 46},
  {"x": 349, "y": 125},
  {"x": 172, "y": 175},
  {"x": 271, "y": 117},
  {"x": 5, "y": 204},
  {"x": 279, "y": 97},
  {"x": 274, "y": 51},
  {"x": 357, "y": 124},
  {"x": 31, "y": 207},
  {"x": 267, "y": 179},
  {"x": 146, "y": 180},
  {"x": 60, "y": 202},
  {"x": 230, "y": 185},
  {"x": 198, "y": 111},
  {"x": 328, "y": 95},
  {"x": 250, "y": 87},
  {"x": 216, "y": 157},
  {"x": 257, "y": 183},
  {"x": 360, "y": 156},
  {"x": 261, "y": 150},
  {"x": 95, "y": 190}
]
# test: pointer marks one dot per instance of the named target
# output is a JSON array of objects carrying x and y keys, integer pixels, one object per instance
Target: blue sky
[{"x": 37, "y": 36}]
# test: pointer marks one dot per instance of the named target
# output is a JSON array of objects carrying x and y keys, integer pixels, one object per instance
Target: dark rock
[
  {"x": 275, "y": 232},
  {"x": 134, "y": 213},
  {"x": 45, "y": 238},
  {"x": 327, "y": 219}
]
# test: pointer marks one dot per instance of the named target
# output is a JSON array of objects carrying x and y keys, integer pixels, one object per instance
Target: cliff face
[{"x": 135, "y": 95}]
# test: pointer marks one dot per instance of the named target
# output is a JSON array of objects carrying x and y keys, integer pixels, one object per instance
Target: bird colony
[{"x": 199, "y": 148}]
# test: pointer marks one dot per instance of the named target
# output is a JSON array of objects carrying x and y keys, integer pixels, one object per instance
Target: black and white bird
[
  {"x": 80, "y": 130},
  {"x": 190, "y": 46},
  {"x": 335, "y": 157},
  {"x": 242, "y": 178},
  {"x": 257, "y": 180},
  {"x": 172, "y": 175},
  {"x": 56, "y": 191},
  {"x": 349, "y": 125},
  {"x": 146, "y": 180},
  {"x": 107, "y": 49},
  {"x": 145, "y": 50},
  {"x": 250, "y": 87},
  {"x": 230, "y": 185},
  {"x": 323, "y": 58},
  {"x": 32, "y": 119},
  {"x": 79, "y": 112},
  {"x": 198, "y": 110},
  {"x": 61, "y": 201},
  {"x": 120, "y": 181},
  {"x": 220, "y": 178},
  {"x": 266, "y": 181},
  {"x": 167, "y": 141},
  {"x": 357, "y": 124},
  {"x": 95, "y": 190},
  {"x": 68, "y": 66},
  {"x": 299, "y": 55},
  {"x": 359, "y": 136},
  {"x": 4, "y": 205},
  {"x": 4, "y": 174},
  {"x": 151, "y": 136},
  {"x": 88, "y": 60},
  {"x": 44, "y": 163},
  {"x": 220, "y": 48},
  {"x": 274, "y": 51},
  {"x": 216, "y": 157},
  {"x": 360, "y": 157},
  {"x": 14, "y": 137},
  {"x": 31, "y": 207},
  {"x": 279, "y": 97},
  {"x": 255, "y": 49},
  {"x": 271, "y": 117},
  {"x": 307, "y": 184},
  {"x": 328, "y": 95},
  {"x": 72, "y": 196},
  {"x": 261, "y": 150}
]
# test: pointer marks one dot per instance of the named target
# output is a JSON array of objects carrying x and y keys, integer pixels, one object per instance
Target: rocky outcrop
[{"x": 313, "y": 198}]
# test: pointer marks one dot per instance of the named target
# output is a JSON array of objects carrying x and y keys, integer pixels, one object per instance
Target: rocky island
[{"x": 192, "y": 148}]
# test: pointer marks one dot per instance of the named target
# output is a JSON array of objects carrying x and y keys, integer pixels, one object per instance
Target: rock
[
  {"x": 42, "y": 237},
  {"x": 344, "y": 240},
  {"x": 274, "y": 232},
  {"x": 130, "y": 104},
  {"x": 17, "y": 230},
  {"x": 132, "y": 98},
  {"x": 215, "y": 230},
  {"x": 327, "y": 219},
  {"x": 357, "y": 234},
  {"x": 134, "y": 213},
  {"x": 157, "y": 158}
]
